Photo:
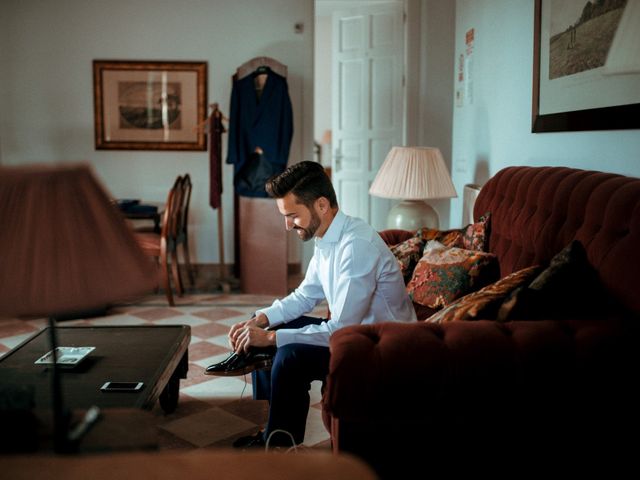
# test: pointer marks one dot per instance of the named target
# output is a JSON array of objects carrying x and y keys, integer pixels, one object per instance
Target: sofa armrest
[{"x": 427, "y": 373}]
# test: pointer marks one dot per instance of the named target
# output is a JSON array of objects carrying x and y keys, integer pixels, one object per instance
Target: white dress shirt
[{"x": 354, "y": 270}]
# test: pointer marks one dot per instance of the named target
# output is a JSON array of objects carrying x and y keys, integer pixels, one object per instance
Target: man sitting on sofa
[{"x": 352, "y": 268}]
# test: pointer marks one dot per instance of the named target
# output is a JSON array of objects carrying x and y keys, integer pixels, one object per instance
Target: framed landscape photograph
[
  {"x": 149, "y": 105},
  {"x": 586, "y": 71}
]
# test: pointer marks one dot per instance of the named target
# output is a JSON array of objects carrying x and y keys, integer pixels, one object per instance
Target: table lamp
[
  {"x": 413, "y": 174},
  {"x": 64, "y": 249}
]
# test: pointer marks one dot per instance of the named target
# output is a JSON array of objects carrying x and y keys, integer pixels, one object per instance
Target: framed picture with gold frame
[{"x": 149, "y": 105}]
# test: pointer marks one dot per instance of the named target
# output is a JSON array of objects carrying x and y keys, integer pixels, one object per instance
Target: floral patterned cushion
[
  {"x": 408, "y": 253},
  {"x": 474, "y": 236},
  {"x": 444, "y": 274},
  {"x": 485, "y": 302}
]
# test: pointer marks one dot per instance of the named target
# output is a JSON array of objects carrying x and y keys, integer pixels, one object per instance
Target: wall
[
  {"x": 46, "y": 52},
  {"x": 495, "y": 130},
  {"x": 322, "y": 80},
  {"x": 436, "y": 66}
]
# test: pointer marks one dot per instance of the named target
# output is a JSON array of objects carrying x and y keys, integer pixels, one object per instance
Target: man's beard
[{"x": 307, "y": 234}]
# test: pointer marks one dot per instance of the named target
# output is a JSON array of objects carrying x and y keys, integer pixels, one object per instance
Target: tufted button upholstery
[
  {"x": 537, "y": 211},
  {"x": 521, "y": 384}
]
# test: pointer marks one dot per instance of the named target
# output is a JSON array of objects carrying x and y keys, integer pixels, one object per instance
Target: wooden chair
[
  {"x": 163, "y": 245},
  {"x": 182, "y": 234}
]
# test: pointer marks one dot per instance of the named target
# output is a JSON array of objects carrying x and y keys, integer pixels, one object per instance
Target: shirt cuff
[
  {"x": 285, "y": 336},
  {"x": 274, "y": 317}
]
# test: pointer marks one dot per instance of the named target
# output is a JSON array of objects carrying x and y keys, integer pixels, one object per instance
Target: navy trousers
[{"x": 286, "y": 386}]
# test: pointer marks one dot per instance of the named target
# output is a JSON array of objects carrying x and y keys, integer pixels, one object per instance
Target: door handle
[{"x": 337, "y": 156}]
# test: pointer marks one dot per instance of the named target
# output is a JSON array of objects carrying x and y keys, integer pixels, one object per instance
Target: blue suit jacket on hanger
[{"x": 264, "y": 124}]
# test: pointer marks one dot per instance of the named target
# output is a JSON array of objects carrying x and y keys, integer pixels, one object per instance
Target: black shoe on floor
[
  {"x": 250, "y": 441},
  {"x": 216, "y": 368},
  {"x": 236, "y": 364}
]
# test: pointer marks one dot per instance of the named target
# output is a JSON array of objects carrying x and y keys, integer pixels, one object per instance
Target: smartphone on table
[{"x": 122, "y": 386}]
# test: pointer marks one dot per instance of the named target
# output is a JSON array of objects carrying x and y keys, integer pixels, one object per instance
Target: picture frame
[
  {"x": 566, "y": 98},
  {"x": 149, "y": 105}
]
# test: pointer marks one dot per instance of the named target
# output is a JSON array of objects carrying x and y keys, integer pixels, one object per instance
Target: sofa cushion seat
[{"x": 464, "y": 367}]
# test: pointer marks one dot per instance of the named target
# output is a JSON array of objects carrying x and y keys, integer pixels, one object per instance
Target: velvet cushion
[
  {"x": 444, "y": 274},
  {"x": 394, "y": 236},
  {"x": 569, "y": 286},
  {"x": 474, "y": 236},
  {"x": 408, "y": 253},
  {"x": 485, "y": 303}
]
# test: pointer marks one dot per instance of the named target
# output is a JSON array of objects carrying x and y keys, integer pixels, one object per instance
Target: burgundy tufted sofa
[{"x": 402, "y": 395}]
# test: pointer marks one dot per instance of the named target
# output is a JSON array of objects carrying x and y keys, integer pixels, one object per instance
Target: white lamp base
[{"x": 411, "y": 215}]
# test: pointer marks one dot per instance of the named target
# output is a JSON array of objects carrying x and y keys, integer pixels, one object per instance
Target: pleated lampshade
[
  {"x": 413, "y": 174},
  {"x": 64, "y": 246}
]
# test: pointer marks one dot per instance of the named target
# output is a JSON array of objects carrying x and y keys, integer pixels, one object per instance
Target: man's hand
[
  {"x": 258, "y": 322},
  {"x": 251, "y": 336}
]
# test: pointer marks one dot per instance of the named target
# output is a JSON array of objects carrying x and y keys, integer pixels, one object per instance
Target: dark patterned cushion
[
  {"x": 568, "y": 287},
  {"x": 484, "y": 303},
  {"x": 445, "y": 274},
  {"x": 408, "y": 253},
  {"x": 423, "y": 312},
  {"x": 474, "y": 236}
]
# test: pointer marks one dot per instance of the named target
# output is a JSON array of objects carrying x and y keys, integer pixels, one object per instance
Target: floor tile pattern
[{"x": 212, "y": 411}]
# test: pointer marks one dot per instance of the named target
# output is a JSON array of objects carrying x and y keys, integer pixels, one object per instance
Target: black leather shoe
[
  {"x": 236, "y": 364},
  {"x": 221, "y": 366},
  {"x": 250, "y": 441}
]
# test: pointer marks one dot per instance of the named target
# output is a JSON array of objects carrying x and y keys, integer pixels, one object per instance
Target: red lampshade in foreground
[{"x": 64, "y": 247}]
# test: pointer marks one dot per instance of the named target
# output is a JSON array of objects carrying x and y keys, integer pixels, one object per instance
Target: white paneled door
[{"x": 367, "y": 118}]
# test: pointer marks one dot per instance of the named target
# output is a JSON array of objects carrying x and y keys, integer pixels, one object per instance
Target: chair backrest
[
  {"x": 185, "y": 199},
  {"x": 176, "y": 214},
  {"x": 171, "y": 218}
]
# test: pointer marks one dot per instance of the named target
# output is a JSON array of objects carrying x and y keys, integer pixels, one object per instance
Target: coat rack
[
  {"x": 213, "y": 126},
  {"x": 254, "y": 64},
  {"x": 259, "y": 272}
]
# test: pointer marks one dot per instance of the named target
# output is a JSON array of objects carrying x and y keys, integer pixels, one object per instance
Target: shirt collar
[{"x": 334, "y": 232}]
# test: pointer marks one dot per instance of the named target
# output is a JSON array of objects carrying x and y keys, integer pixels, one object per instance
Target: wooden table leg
[{"x": 171, "y": 393}]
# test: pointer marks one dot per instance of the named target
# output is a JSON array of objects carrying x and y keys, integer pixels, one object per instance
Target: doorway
[{"x": 359, "y": 104}]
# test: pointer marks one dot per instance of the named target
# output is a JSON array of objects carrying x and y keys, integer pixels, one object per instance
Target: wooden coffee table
[{"x": 154, "y": 355}]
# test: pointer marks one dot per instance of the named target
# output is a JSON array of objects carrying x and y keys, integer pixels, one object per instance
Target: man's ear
[{"x": 323, "y": 204}]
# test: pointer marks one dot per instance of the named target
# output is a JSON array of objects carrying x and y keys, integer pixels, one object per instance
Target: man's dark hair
[{"x": 306, "y": 180}]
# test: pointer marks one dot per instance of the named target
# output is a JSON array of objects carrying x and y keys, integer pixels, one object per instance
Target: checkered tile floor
[{"x": 212, "y": 411}]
